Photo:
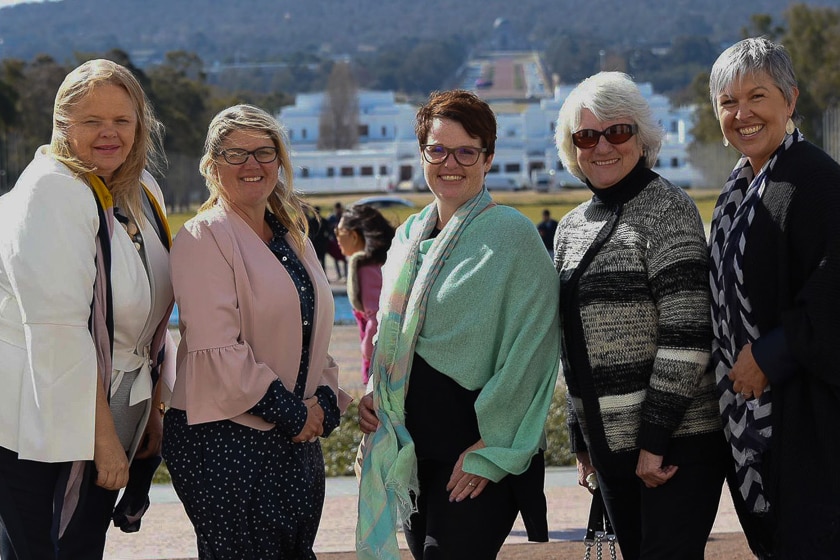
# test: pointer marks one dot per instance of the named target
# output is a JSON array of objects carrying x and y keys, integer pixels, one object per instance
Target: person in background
[
  {"x": 364, "y": 236},
  {"x": 255, "y": 388},
  {"x": 332, "y": 245},
  {"x": 775, "y": 277},
  {"x": 466, "y": 359},
  {"x": 319, "y": 234},
  {"x": 636, "y": 328},
  {"x": 85, "y": 300},
  {"x": 547, "y": 228}
]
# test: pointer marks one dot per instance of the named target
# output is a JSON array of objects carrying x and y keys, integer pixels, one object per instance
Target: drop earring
[
  {"x": 790, "y": 126},
  {"x": 725, "y": 142}
]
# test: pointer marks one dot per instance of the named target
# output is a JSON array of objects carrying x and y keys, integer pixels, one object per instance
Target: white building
[{"x": 388, "y": 151}]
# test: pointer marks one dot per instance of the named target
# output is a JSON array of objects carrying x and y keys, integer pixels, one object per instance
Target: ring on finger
[{"x": 471, "y": 484}]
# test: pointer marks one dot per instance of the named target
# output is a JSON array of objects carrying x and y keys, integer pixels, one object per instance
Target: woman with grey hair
[
  {"x": 634, "y": 313},
  {"x": 775, "y": 272}
]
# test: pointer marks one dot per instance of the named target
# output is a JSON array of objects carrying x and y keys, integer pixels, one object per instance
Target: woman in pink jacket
[
  {"x": 364, "y": 236},
  {"x": 255, "y": 387}
]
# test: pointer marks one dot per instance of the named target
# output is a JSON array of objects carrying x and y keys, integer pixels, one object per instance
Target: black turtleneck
[{"x": 627, "y": 188}]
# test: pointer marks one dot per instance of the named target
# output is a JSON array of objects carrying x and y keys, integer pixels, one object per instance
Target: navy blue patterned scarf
[{"x": 747, "y": 423}]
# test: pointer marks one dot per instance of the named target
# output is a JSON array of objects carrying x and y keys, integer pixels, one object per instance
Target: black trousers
[
  {"x": 474, "y": 528},
  {"x": 28, "y": 528},
  {"x": 668, "y": 522}
]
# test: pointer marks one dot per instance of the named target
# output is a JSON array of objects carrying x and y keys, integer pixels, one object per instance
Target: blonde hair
[
  {"x": 147, "y": 151},
  {"x": 283, "y": 202}
]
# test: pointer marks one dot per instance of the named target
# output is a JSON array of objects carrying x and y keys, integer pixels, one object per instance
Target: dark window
[
  {"x": 383, "y": 170},
  {"x": 366, "y": 171},
  {"x": 330, "y": 171},
  {"x": 304, "y": 172},
  {"x": 512, "y": 168},
  {"x": 347, "y": 172},
  {"x": 363, "y": 130}
]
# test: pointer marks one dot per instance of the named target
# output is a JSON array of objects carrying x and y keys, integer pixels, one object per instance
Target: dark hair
[
  {"x": 463, "y": 107},
  {"x": 373, "y": 227}
]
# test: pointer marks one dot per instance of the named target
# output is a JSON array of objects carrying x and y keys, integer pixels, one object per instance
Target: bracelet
[{"x": 162, "y": 408}]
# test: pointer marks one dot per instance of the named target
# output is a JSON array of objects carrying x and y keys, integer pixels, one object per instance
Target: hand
[
  {"x": 152, "y": 438},
  {"x": 584, "y": 469},
  {"x": 463, "y": 485},
  {"x": 747, "y": 378},
  {"x": 109, "y": 457},
  {"x": 110, "y": 461},
  {"x": 649, "y": 469},
  {"x": 314, "y": 426},
  {"x": 368, "y": 421}
]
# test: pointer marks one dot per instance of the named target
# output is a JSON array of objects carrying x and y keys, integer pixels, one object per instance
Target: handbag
[{"x": 598, "y": 530}]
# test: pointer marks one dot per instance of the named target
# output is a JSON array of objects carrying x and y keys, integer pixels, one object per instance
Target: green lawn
[{"x": 528, "y": 202}]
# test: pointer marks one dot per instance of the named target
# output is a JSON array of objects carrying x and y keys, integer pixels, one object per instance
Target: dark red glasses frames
[{"x": 615, "y": 134}]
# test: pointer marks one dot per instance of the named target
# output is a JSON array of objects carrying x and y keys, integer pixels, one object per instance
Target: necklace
[{"x": 130, "y": 228}]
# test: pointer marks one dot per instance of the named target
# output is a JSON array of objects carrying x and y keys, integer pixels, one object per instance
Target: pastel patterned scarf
[{"x": 388, "y": 462}]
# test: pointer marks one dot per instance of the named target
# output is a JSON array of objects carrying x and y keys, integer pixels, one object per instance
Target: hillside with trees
[
  {"x": 266, "y": 30},
  {"x": 297, "y": 53}
]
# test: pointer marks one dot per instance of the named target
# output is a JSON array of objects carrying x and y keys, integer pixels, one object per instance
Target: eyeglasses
[
  {"x": 238, "y": 156},
  {"x": 615, "y": 134},
  {"x": 464, "y": 155}
]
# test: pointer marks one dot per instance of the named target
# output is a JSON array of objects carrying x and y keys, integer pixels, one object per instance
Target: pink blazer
[{"x": 240, "y": 321}]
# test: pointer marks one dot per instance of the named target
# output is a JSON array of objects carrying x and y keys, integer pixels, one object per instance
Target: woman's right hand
[
  {"x": 111, "y": 462},
  {"x": 368, "y": 421},
  {"x": 584, "y": 469},
  {"x": 109, "y": 457}
]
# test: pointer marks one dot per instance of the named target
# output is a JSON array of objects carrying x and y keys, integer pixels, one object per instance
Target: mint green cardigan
[{"x": 492, "y": 324}]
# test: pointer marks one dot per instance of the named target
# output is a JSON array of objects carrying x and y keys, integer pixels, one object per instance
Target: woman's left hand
[
  {"x": 747, "y": 378},
  {"x": 314, "y": 426},
  {"x": 463, "y": 485},
  {"x": 150, "y": 443},
  {"x": 650, "y": 469}
]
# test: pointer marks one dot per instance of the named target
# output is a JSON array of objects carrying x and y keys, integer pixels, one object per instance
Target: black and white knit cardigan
[{"x": 636, "y": 319}]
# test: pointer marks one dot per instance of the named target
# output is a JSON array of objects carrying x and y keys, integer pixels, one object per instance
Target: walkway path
[{"x": 167, "y": 534}]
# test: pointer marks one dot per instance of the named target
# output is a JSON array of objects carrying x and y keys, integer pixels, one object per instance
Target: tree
[
  {"x": 813, "y": 41},
  {"x": 8, "y": 116},
  {"x": 180, "y": 96},
  {"x": 812, "y": 38},
  {"x": 573, "y": 59},
  {"x": 338, "y": 127}
]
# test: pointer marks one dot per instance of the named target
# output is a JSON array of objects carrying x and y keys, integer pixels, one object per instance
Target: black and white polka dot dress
[{"x": 251, "y": 494}]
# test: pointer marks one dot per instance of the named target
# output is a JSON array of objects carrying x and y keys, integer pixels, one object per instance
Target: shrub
[{"x": 558, "y": 453}]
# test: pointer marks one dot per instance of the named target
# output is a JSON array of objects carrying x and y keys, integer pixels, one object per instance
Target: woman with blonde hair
[
  {"x": 255, "y": 387},
  {"x": 85, "y": 299}
]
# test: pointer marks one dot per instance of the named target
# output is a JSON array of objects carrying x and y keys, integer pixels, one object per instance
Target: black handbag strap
[
  {"x": 596, "y": 515},
  {"x": 599, "y": 529}
]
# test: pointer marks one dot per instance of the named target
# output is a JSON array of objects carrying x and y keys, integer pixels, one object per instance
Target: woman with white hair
[{"x": 636, "y": 333}]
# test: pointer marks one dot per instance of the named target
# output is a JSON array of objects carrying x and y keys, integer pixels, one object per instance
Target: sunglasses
[{"x": 615, "y": 134}]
